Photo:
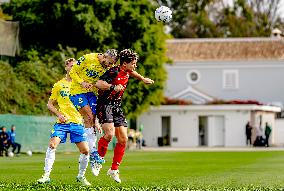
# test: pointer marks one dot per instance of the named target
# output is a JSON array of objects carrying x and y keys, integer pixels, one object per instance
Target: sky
[{"x": 281, "y": 9}]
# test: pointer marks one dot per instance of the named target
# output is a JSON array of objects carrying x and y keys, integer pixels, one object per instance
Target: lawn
[{"x": 142, "y": 170}]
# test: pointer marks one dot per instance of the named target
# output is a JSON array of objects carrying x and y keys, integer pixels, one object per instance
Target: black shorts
[{"x": 109, "y": 113}]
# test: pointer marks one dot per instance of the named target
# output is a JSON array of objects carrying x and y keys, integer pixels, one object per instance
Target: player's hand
[
  {"x": 98, "y": 126},
  {"x": 148, "y": 81},
  {"x": 87, "y": 85},
  {"x": 62, "y": 118},
  {"x": 118, "y": 88}
]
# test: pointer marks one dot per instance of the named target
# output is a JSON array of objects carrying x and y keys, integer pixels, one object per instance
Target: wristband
[{"x": 112, "y": 87}]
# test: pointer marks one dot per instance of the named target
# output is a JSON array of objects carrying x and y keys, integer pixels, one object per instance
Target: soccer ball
[
  {"x": 163, "y": 14},
  {"x": 29, "y": 153},
  {"x": 11, "y": 154}
]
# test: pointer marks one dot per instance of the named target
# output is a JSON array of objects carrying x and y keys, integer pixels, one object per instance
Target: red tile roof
[{"x": 225, "y": 49}]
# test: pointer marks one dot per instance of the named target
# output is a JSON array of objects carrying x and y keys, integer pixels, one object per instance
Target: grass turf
[{"x": 153, "y": 171}]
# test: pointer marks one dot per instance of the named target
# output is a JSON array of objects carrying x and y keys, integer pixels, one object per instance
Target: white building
[
  {"x": 203, "y": 125},
  {"x": 204, "y": 70},
  {"x": 4, "y": 1},
  {"x": 226, "y": 69}
]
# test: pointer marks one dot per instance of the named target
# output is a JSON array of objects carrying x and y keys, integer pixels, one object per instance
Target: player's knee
[
  {"x": 109, "y": 136},
  {"x": 52, "y": 145},
  {"x": 123, "y": 140},
  {"x": 84, "y": 151},
  {"x": 89, "y": 118}
]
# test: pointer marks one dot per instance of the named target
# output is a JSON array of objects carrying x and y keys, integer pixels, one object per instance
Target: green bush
[{"x": 51, "y": 31}]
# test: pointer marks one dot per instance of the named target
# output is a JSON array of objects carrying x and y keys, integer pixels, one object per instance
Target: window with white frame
[
  {"x": 230, "y": 79},
  {"x": 193, "y": 76}
]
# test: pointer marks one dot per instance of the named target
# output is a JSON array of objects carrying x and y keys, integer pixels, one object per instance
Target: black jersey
[{"x": 114, "y": 76}]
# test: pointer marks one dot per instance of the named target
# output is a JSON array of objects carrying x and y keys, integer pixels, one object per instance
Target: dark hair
[{"x": 127, "y": 55}]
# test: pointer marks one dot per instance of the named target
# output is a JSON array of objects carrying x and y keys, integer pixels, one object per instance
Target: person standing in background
[
  {"x": 12, "y": 140},
  {"x": 248, "y": 133},
  {"x": 4, "y": 138},
  {"x": 267, "y": 132}
]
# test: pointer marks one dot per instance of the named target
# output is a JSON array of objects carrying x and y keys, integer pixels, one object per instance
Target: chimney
[{"x": 276, "y": 33}]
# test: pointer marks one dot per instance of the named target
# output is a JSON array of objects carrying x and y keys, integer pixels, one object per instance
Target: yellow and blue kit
[
  {"x": 88, "y": 69},
  {"x": 74, "y": 124}
]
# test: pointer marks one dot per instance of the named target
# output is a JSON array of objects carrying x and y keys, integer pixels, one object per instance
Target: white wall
[
  {"x": 184, "y": 126},
  {"x": 235, "y": 128},
  {"x": 278, "y": 132},
  {"x": 216, "y": 130},
  {"x": 266, "y": 117},
  {"x": 265, "y": 72},
  {"x": 152, "y": 127}
]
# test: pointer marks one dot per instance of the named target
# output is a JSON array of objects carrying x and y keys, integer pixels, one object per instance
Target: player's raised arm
[
  {"x": 103, "y": 85},
  {"x": 141, "y": 78}
]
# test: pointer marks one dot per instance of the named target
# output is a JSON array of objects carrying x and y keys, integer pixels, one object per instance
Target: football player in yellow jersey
[
  {"x": 70, "y": 121},
  {"x": 83, "y": 92},
  {"x": 84, "y": 75}
]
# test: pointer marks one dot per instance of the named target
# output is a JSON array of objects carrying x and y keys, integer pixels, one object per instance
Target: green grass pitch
[{"x": 142, "y": 170}]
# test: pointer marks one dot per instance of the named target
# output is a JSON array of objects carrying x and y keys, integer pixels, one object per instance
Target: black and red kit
[{"x": 109, "y": 101}]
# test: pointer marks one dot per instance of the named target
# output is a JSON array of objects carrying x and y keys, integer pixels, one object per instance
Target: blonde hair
[{"x": 67, "y": 61}]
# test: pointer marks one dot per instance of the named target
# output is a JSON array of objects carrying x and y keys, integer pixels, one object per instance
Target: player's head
[
  {"x": 128, "y": 59},
  {"x": 69, "y": 63},
  {"x": 3, "y": 128},
  {"x": 13, "y": 127},
  {"x": 110, "y": 57}
]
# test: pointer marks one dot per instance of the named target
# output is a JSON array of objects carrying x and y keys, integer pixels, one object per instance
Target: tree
[
  {"x": 93, "y": 25},
  {"x": 191, "y": 18},
  {"x": 269, "y": 8},
  {"x": 218, "y": 18},
  {"x": 242, "y": 20}
]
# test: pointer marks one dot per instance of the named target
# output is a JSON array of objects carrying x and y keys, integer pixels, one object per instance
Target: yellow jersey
[
  {"x": 88, "y": 69},
  {"x": 60, "y": 93}
]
